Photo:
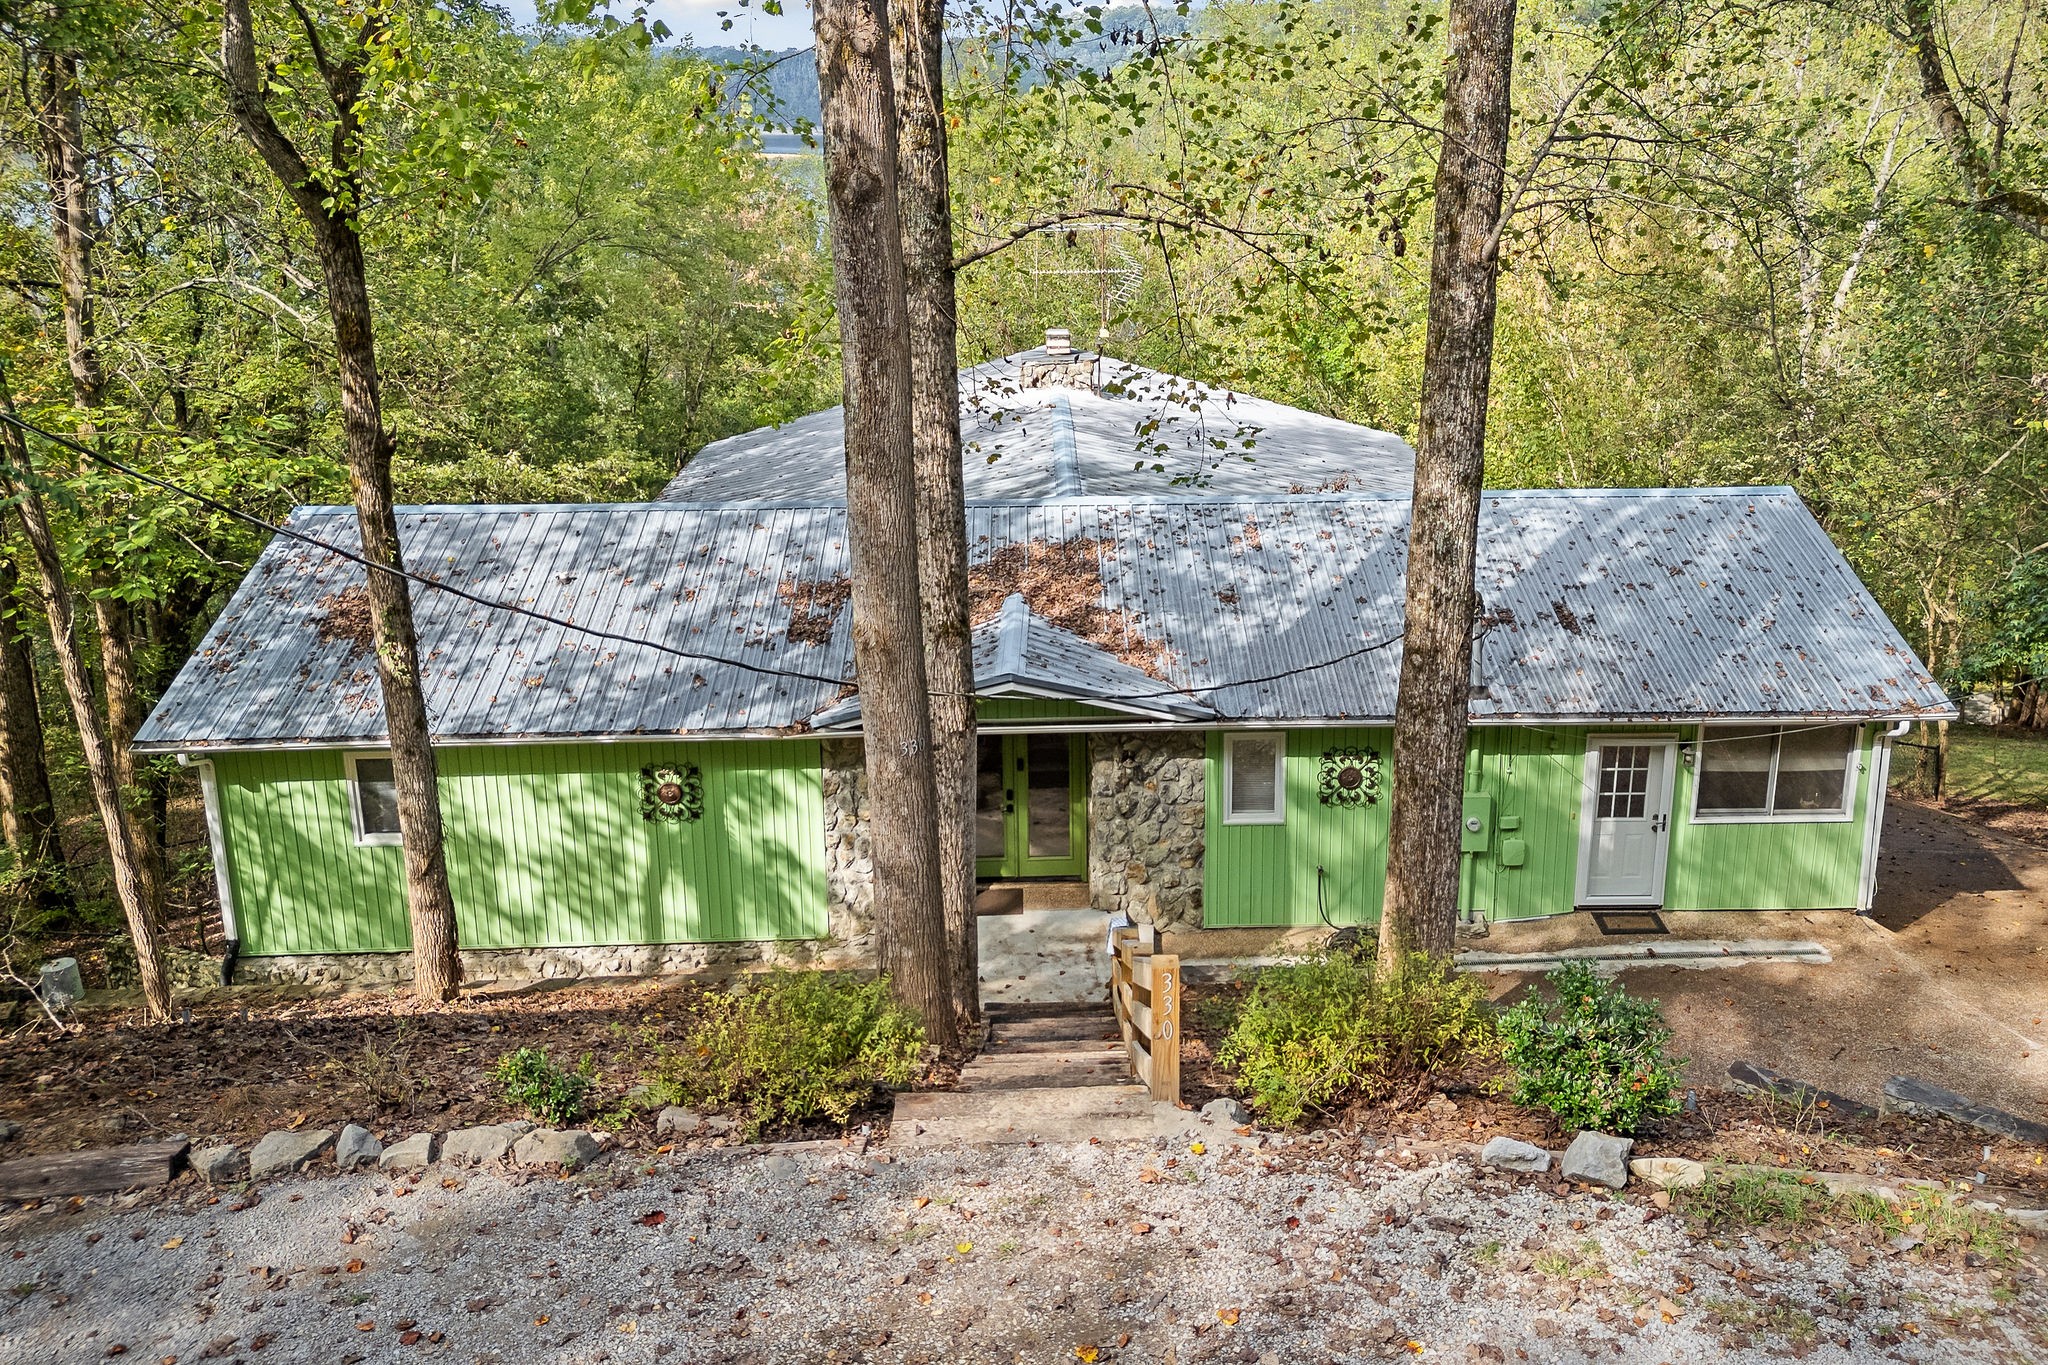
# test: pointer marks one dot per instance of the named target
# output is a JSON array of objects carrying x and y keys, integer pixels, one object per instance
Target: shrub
[
  {"x": 529, "y": 1078},
  {"x": 1334, "y": 1027},
  {"x": 1595, "y": 1058},
  {"x": 793, "y": 1045}
]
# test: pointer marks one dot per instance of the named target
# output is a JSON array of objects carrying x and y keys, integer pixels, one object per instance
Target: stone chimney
[{"x": 1058, "y": 365}]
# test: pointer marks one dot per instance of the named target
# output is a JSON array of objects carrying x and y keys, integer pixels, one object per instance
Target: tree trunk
[
  {"x": 125, "y": 714},
  {"x": 92, "y": 736},
  {"x": 72, "y": 226},
  {"x": 924, "y": 190},
  {"x": 74, "y": 231},
  {"x": 437, "y": 968},
  {"x": 1436, "y": 657},
  {"x": 28, "y": 814},
  {"x": 1981, "y": 179},
  {"x": 858, "y": 116}
]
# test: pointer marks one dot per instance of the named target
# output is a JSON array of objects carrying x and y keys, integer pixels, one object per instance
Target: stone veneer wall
[
  {"x": 1146, "y": 796},
  {"x": 849, "y": 861},
  {"x": 531, "y": 964}
]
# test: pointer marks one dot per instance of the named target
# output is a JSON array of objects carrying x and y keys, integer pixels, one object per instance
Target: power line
[
  {"x": 515, "y": 609},
  {"x": 512, "y": 608}
]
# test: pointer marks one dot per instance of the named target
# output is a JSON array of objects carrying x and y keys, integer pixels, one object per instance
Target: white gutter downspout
[
  {"x": 216, "y": 841},
  {"x": 1880, "y": 784}
]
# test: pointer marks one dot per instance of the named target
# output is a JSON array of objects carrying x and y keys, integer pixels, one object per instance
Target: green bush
[
  {"x": 1595, "y": 1058},
  {"x": 529, "y": 1078},
  {"x": 793, "y": 1045},
  {"x": 1335, "y": 1027}
]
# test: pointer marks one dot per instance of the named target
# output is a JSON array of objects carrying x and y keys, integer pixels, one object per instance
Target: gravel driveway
[{"x": 1284, "y": 1252}]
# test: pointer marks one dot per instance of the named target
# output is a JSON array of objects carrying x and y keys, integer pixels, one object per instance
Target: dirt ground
[{"x": 1946, "y": 980}]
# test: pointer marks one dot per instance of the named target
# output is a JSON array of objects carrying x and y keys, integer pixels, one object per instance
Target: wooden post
[{"x": 1166, "y": 1027}]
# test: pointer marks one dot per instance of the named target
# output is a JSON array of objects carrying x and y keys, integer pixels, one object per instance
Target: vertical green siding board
[
  {"x": 1774, "y": 866},
  {"x": 1265, "y": 875},
  {"x": 546, "y": 846}
]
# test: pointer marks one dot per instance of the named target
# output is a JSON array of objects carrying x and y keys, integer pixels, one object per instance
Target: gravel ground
[{"x": 1276, "y": 1252}]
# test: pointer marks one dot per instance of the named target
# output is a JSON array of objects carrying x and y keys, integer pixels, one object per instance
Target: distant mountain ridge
[{"x": 792, "y": 80}]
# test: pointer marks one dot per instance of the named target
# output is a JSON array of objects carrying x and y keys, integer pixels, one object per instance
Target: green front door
[{"x": 1031, "y": 807}]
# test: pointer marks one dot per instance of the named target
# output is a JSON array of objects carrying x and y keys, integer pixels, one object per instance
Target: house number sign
[{"x": 1162, "y": 1003}]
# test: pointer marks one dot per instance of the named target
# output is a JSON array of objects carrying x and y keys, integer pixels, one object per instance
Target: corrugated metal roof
[
  {"x": 1137, "y": 432},
  {"x": 1020, "y": 653},
  {"x": 1607, "y": 605}
]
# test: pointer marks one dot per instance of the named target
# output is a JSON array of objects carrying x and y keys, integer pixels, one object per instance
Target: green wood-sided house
[{"x": 1187, "y": 640}]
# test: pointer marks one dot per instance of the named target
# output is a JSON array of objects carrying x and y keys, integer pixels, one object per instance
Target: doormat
[{"x": 1615, "y": 923}]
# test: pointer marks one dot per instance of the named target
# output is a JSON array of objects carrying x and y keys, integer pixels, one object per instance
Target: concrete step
[{"x": 942, "y": 1118}]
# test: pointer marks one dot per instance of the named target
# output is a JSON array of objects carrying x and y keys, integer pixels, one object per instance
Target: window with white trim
[
  {"x": 1255, "y": 778},
  {"x": 373, "y": 798},
  {"x": 1765, "y": 772}
]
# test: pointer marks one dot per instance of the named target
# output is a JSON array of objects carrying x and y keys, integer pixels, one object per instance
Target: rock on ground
[
  {"x": 572, "y": 1149},
  {"x": 675, "y": 1121},
  {"x": 475, "y": 1146},
  {"x": 1668, "y": 1172},
  {"x": 980, "y": 1257},
  {"x": 1513, "y": 1154},
  {"x": 1597, "y": 1159},
  {"x": 356, "y": 1148},
  {"x": 415, "y": 1153},
  {"x": 1226, "y": 1110},
  {"x": 278, "y": 1152},
  {"x": 219, "y": 1165}
]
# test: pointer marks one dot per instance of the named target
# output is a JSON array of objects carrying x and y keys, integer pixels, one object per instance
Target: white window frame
[
  {"x": 1858, "y": 755},
  {"x": 1276, "y": 816},
  {"x": 355, "y": 801}
]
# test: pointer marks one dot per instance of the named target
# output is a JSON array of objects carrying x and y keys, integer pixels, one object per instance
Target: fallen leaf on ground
[
  {"x": 174, "y": 1244},
  {"x": 654, "y": 1219},
  {"x": 1227, "y": 1316}
]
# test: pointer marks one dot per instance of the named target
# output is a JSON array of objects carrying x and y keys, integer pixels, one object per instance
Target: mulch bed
[
  {"x": 1725, "y": 1125},
  {"x": 238, "y": 1068}
]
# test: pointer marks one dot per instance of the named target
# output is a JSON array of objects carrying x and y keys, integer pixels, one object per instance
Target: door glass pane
[
  {"x": 1048, "y": 833},
  {"x": 1735, "y": 770},
  {"x": 988, "y": 800},
  {"x": 1813, "y": 768},
  {"x": 1624, "y": 781}
]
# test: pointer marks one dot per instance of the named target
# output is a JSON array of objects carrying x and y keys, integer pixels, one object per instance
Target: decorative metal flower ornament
[
  {"x": 1349, "y": 777},
  {"x": 671, "y": 792}
]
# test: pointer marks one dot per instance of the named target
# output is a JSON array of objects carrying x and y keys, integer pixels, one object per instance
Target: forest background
[{"x": 1747, "y": 245}]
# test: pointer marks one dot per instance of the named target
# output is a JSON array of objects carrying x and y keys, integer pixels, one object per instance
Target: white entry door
[{"x": 1625, "y": 823}]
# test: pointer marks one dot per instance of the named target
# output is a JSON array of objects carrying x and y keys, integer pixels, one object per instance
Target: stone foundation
[
  {"x": 514, "y": 965},
  {"x": 1146, "y": 802}
]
